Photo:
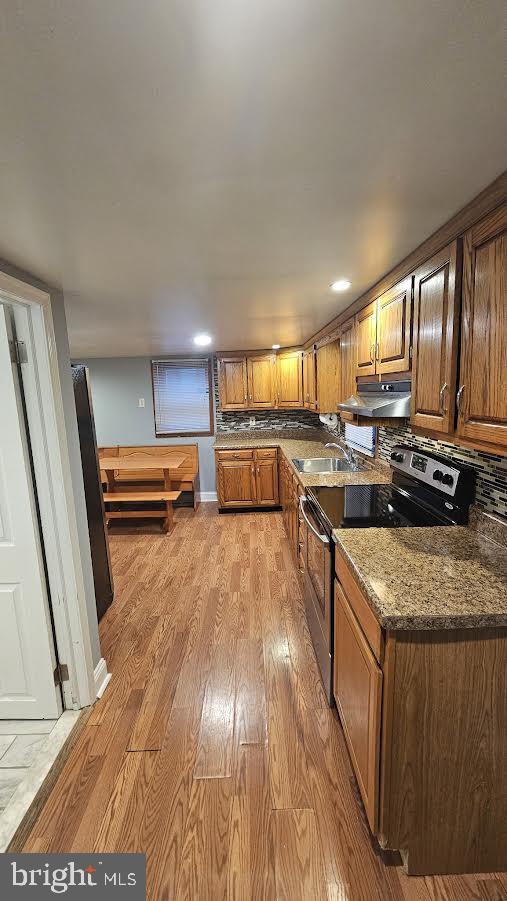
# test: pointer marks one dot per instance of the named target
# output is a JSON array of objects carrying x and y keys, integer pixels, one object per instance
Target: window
[
  {"x": 182, "y": 397},
  {"x": 362, "y": 438}
]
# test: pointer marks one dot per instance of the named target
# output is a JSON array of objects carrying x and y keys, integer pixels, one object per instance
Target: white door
[{"x": 27, "y": 656}]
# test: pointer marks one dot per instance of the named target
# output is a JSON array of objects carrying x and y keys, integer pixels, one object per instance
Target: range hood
[{"x": 379, "y": 400}]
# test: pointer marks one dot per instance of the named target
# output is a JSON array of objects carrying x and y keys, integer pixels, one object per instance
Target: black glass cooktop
[{"x": 363, "y": 506}]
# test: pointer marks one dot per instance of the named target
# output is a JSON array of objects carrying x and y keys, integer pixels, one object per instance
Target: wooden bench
[
  {"x": 129, "y": 497},
  {"x": 188, "y": 472}
]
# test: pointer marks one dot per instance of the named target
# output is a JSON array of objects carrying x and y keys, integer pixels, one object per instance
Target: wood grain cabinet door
[
  {"x": 232, "y": 383},
  {"x": 266, "y": 472},
  {"x": 309, "y": 379},
  {"x": 437, "y": 286},
  {"x": 289, "y": 378},
  {"x": 348, "y": 355},
  {"x": 482, "y": 405},
  {"x": 236, "y": 483},
  {"x": 366, "y": 338},
  {"x": 357, "y": 684},
  {"x": 261, "y": 382},
  {"x": 394, "y": 320},
  {"x": 328, "y": 377}
]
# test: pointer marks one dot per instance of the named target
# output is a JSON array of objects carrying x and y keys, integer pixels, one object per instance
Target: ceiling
[{"x": 212, "y": 165}]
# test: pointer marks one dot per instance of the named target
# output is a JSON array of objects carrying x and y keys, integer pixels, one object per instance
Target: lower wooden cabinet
[
  {"x": 247, "y": 478},
  {"x": 424, "y": 715},
  {"x": 357, "y": 684}
]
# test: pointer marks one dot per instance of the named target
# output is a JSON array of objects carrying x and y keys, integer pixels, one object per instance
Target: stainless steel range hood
[{"x": 378, "y": 400}]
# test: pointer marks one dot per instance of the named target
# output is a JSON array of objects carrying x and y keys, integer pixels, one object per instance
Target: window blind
[
  {"x": 181, "y": 396},
  {"x": 361, "y": 438}
]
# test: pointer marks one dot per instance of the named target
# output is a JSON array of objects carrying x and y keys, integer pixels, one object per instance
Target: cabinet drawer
[
  {"x": 357, "y": 686},
  {"x": 235, "y": 454},
  {"x": 365, "y": 615},
  {"x": 265, "y": 453}
]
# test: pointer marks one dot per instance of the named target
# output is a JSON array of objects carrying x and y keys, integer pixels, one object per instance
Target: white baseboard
[
  {"x": 101, "y": 677},
  {"x": 206, "y": 497}
]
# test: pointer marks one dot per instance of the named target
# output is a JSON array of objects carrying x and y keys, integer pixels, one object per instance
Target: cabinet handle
[
  {"x": 443, "y": 389},
  {"x": 372, "y": 351},
  {"x": 377, "y": 352},
  {"x": 246, "y": 398},
  {"x": 458, "y": 398}
]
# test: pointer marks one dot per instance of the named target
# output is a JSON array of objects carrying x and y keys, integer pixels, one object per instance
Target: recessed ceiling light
[
  {"x": 202, "y": 340},
  {"x": 275, "y": 346},
  {"x": 342, "y": 284}
]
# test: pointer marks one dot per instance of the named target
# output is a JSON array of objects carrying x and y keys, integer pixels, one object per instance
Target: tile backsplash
[{"x": 491, "y": 486}]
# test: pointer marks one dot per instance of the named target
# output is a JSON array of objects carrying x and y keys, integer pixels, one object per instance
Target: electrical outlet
[
  {"x": 252, "y": 420},
  {"x": 141, "y": 401}
]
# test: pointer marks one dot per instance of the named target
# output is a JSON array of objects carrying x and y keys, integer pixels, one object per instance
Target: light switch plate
[
  {"x": 252, "y": 420},
  {"x": 141, "y": 401}
]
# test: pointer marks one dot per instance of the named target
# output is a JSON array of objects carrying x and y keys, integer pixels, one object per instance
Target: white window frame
[{"x": 53, "y": 478}]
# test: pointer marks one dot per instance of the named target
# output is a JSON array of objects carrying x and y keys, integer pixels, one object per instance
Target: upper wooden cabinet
[
  {"x": 347, "y": 359},
  {"x": 366, "y": 339},
  {"x": 328, "y": 376},
  {"x": 309, "y": 379},
  {"x": 232, "y": 383},
  {"x": 383, "y": 332},
  {"x": 261, "y": 381},
  {"x": 435, "y": 338},
  {"x": 394, "y": 309},
  {"x": 289, "y": 377},
  {"x": 482, "y": 392}
]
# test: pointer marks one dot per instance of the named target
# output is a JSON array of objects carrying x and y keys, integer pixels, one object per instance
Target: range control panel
[{"x": 426, "y": 469}]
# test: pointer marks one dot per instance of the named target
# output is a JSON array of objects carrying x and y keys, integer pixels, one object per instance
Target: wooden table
[{"x": 141, "y": 461}]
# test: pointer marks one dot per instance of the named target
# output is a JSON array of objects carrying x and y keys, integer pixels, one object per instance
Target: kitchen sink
[{"x": 326, "y": 464}]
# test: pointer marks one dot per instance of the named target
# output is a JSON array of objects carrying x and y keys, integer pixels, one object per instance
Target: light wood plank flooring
[{"x": 213, "y": 750}]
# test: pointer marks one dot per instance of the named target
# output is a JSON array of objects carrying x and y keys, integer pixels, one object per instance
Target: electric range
[{"x": 426, "y": 490}]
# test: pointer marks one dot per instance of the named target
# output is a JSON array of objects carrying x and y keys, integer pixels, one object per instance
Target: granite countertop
[
  {"x": 306, "y": 443},
  {"x": 443, "y": 577}
]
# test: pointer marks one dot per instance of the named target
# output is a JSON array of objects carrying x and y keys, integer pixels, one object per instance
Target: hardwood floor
[{"x": 213, "y": 750}]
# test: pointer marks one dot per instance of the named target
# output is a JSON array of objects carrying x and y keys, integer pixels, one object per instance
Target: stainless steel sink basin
[{"x": 326, "y": 464}]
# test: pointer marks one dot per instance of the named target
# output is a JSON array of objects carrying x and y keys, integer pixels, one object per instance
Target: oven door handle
[{"x": 323, "y": 538}]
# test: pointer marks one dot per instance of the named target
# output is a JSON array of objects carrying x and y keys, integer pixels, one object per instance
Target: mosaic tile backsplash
[{"x": 491, "y": 486}]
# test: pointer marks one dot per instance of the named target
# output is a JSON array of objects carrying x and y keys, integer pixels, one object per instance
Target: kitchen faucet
[{"x": 347, "y": 451}]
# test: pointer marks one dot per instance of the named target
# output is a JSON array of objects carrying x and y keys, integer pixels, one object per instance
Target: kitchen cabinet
[
  {"x": 290, "y": 491},
  {"x": 232, "y": 383},
  {"x": 383, "y": 331},
  {"x": 289, "y": 378},
  {"x": 261, "y": 382},
  {"x": 414, "y": 764},
  {"x": 437, "y": 287},
  {"x": 247, "y": 478},
  {"x": 366, "y": 338},
  {"x": 357, "y": 683},
  {"x": 309, "y": 379},
  {"x": 347, "y": 359},
  {"x": 482, "y": 392},
  {"x": 328, "y": 376}
]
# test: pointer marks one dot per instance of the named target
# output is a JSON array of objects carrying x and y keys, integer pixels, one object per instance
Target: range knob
[
  {"x": 397, "y": 456},
  {"x": 447, "y": 479},
  {"x": 438, "y": 475}
]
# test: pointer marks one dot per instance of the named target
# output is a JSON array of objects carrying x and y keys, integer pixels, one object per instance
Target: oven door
[{"x": 318, "y": 560}]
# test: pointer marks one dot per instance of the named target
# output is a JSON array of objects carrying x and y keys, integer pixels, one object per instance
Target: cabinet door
[
  {"x": 267, "y": 482},
  {"x": 261, "y": 382},
  {"x": 394, "y": 320},
  {"x": 357, "y": 683},
  {"x": 483, "y": 375},
  {"x": 435, "y": 339},
  {"x": 366, "y": 337},
  {"x": 289, "y": 375},
  {"x": 309, "y": 379},
  {"x": 328, "y": 377},
  {"x": 232, "y": 383},
  {"x": 236, "y": 483},
  {"x": 348, "y": 355}
]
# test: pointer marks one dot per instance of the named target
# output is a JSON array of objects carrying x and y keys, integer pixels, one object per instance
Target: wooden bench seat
[{"x": 144, "y": 497}]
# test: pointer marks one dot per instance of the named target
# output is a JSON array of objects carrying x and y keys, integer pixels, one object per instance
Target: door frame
[{"x": 52, "y": 471}]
